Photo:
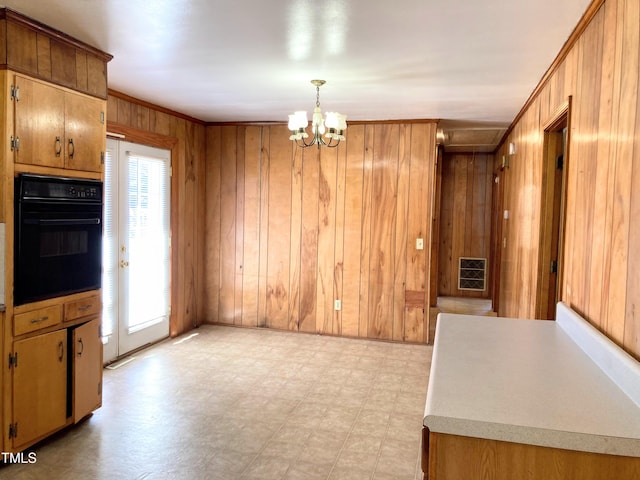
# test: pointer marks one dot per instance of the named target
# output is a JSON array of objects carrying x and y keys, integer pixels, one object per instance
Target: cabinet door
[
  {"x": 39, "y": 123},
  {"x": 87, "y": 365},
  {"x": 85, "y": 132},
  {"x": 39, "y": 386}
]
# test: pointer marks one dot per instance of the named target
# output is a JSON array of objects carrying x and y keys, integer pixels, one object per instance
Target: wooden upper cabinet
[
  {"x": 85, "y": 132},
  {"x": 39, "y": 123},
  {"x": 30, "y": 47},
  {"x": 57, "y": 128},
  {"x": 22, "y": 50}
]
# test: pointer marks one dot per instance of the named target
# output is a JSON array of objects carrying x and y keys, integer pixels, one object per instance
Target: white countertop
[{"x": 525, "y": 381}]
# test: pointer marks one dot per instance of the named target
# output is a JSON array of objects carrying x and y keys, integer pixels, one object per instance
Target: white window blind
[
  {"x": 109, "y": 244},
  {"x": 148, "y": 227}
]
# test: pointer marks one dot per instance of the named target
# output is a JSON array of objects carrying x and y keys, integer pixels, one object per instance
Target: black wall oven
[{"x": 58, "y": 237}]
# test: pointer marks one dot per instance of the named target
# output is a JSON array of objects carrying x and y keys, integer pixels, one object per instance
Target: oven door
[{"x": 58, "y": 250}]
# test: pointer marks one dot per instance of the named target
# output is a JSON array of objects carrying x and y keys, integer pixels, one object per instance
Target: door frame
[
  {"x": 549, "y": 199},
  {"x": 498, "y": 233},
  {"x": 129, "y": 134}
]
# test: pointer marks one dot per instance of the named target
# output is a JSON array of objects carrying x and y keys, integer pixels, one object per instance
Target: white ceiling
[{"x": 252, "y": 60}]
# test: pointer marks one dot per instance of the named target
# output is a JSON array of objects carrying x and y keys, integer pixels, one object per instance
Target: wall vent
[{"x": 472, "y": 274}]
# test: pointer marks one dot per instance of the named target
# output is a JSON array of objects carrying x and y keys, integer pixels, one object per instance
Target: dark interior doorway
[{"x": 556, "y": 156}]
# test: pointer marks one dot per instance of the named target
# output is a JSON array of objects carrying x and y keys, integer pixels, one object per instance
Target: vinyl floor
[{"x": 232, "y": 403}]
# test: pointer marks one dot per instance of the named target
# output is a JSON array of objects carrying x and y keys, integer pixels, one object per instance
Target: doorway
[
  {"x": 136, "y": 247},
  {"x": 552, "y": 213}
]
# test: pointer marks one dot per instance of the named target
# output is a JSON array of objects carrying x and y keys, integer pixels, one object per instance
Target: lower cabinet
[
  {"x": 39, "y": 387},
  {"x": 454, "y": 457},
  {"x": 57, "y": 381},
  {"x": 87, "y": 369}
]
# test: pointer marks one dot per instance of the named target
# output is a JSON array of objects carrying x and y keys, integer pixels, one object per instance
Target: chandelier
[{"x": 334, "y": 125}]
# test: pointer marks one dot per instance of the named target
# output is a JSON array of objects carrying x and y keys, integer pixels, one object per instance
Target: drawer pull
[
  {"x": 84, "y": 308},
  {"x": 39, "y": 320}
]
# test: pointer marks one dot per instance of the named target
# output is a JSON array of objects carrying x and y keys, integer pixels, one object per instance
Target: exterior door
[{"x": 136, "y": 243}]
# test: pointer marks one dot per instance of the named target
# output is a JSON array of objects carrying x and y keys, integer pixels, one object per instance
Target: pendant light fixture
[{"x": 334, "y": 125}]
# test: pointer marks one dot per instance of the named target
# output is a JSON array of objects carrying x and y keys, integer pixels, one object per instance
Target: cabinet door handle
[
  {"x": 61, "y": 350},
  {"x": 72, "y": 148},
  {"x": 81, "y": 349},
  {"x": 39, "y": 320},
  {"x": 58, "y": 147},
  {"x": 84, "y": 308}
]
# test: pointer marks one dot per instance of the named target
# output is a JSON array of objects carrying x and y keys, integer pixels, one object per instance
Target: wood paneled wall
[
  {"x": 155, "y": 126},
  {"x": 289, "y": 231},
  {"x": 465, "y": 217},
  {"x": 601, "y": 266}
]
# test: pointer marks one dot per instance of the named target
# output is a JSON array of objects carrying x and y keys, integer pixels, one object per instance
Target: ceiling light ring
[{"x": 316, "y": 140}]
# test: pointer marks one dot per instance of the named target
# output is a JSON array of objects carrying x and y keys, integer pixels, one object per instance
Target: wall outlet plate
[{"x": 419, "y": 244}]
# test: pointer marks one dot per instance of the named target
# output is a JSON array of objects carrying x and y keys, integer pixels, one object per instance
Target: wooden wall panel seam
[
  {"x": 263, "y": 268},
  {"x": 403, "y": 195}
]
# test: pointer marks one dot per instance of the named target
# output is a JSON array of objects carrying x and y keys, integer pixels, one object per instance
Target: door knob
[{"x": 124, "y": 263}]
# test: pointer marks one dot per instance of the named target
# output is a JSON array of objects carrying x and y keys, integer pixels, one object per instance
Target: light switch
[
  {"x": 337, "y": 305},
  {"x": 419, "y": 244}
]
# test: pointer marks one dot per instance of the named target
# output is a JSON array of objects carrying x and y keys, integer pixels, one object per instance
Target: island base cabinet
[
  {"x": 39, "y": 387},
  {"x": 453, "y": 457}
]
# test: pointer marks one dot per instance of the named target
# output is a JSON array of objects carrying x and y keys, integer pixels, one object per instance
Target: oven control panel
[
  {"x": 82, "y": 192},
  {"x": 34, "y": 188}
]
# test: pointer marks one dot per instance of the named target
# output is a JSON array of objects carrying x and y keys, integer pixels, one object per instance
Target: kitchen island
[{"x": 514, "y": 398}]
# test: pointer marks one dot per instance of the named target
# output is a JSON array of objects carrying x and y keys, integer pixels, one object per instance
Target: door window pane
[{"x": 148, "y": 240}]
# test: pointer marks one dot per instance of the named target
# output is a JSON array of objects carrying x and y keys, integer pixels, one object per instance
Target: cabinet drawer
[
  {"x": 82, "y": 308},
  {"x": 36, "y": 319}
]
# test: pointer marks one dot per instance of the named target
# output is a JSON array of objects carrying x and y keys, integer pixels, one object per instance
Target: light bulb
[
  {"x": 293, "y": 123},
  {"x": 332, "y": 120},
  {"x": 302, "y": 120},
  {"x": 342, "y": 122}
]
